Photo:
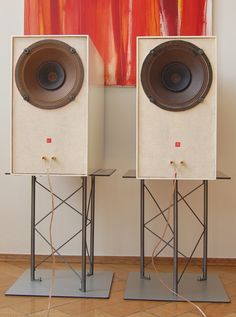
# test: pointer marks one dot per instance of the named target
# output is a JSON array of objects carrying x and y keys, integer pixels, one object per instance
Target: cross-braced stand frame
[
  {"x": 88, "y": 283},
  {"x": 203, "y": 288}
]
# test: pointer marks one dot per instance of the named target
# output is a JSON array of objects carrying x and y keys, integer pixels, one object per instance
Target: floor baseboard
[{"x": 117, "y": 259}]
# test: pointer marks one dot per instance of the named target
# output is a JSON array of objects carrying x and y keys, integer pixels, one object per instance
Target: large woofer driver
[
  {"x": 176, "y": 75},
  {"x": 49, "y": 74}
]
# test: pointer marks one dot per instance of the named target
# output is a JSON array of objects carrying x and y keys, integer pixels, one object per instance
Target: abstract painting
[{"x": 114, "y": 24}]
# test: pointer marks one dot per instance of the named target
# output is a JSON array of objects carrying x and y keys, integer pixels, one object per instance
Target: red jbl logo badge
[
  {"x": 177, "y": 144},
  {"x": 48, "y": 140}
]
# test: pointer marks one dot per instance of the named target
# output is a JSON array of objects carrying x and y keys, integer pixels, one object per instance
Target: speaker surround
[
  {"x": 176, "y": 75},
  {"x": 49, "y": 74}
]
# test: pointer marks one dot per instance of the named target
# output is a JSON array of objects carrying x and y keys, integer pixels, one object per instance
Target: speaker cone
[
  {"x": 176, "y": 75},
  {"x": 49, "y": 74}
]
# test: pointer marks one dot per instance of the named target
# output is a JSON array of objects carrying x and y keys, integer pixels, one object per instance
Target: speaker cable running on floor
[{"x": 161, "y": 239}]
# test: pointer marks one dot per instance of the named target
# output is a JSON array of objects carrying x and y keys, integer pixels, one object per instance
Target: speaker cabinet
[
  {"x": 57, "y": 105},
  {"x": 176, "y": 103}
]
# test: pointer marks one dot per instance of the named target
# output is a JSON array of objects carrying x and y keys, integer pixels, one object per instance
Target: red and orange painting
[{"x": 114, "y": 24}]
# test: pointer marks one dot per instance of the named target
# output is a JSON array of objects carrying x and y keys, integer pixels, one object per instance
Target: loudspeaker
[
  {"x": 176, "y": 107},
  {"x": 57, "y": 105}
]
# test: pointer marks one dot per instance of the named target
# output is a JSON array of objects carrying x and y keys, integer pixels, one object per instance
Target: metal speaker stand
[
  {"x": 68, "y": 283},
  {"x": 203, "y": 288}
]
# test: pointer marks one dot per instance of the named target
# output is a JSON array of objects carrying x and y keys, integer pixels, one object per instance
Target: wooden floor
[{"x": 116, "y": 306}]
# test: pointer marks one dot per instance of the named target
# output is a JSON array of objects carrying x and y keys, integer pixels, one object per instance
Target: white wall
[{"x": 117, "y": 214}]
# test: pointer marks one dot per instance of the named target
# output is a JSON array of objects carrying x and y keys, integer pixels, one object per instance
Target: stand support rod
[
  {"x": 32, "y": 267},
  {"x": 175, "y": 242},
  {"x": 84, "y": 233},
  {"x": 205, "y": 235},
  {"x": 91, "y": 270},
  {"x": 142, "y": 255}
]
